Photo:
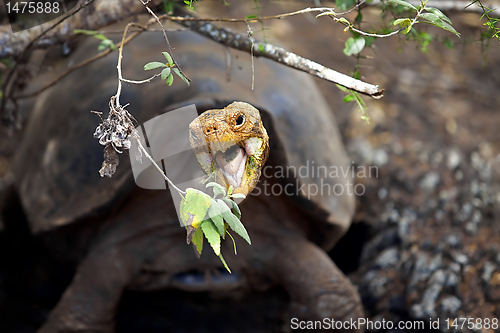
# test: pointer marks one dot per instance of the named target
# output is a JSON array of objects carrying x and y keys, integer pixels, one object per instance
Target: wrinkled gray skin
[{"x": 129, "y": 237}]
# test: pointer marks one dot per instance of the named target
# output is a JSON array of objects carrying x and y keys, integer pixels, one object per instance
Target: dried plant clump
[{"x": 115, "y": 133}]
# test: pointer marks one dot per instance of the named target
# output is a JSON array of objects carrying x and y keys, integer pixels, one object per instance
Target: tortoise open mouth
[
  {"x": 232, "y": 163},
  {"x": 234, "y": 158}
]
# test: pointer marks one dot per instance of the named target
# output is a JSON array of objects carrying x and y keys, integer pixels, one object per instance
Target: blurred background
[{"x": 425, "y": 241}]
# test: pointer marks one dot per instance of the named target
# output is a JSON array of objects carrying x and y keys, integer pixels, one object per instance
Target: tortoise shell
[{"x": 58, "y": 162}]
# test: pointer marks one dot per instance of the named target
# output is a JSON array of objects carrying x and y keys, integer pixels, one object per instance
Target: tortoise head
[{"x": 233, "y": 143}]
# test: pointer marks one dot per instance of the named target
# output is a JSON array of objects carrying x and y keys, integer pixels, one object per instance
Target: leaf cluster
[
  {"x": 168, "y": 68},
  {"x": 491, "y": 22},
  {"x": 211, "y": 217}
]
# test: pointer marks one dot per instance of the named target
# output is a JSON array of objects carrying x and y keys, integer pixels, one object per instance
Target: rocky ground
[
  {"x": 433, "y": 210},
  {"x": 426, "y": 238}
]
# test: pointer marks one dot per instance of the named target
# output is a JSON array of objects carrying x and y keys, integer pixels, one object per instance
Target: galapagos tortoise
[{"x": 129, "y": 237}]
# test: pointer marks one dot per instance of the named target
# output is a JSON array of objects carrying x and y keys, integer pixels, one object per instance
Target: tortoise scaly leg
[
  {"x": 89, "y": 304},
  {"x": 318, "y": 289}
]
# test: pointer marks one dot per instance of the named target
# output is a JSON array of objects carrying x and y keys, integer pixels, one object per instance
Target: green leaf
[
  {"x": 402, "y": 22},
  {"x": 169, "y": 58},
  {"x": 165, "y": 73},
  {"x": 250, "y": 17},
  {"x": 215, "y": 215},
  {"x": 431, "y": 17},
  {"x": 344, "y": 5},
  {"x": 217, "y": 188},
  {"x": 224, "y": 263},
  {"x": 212, "y": 235},
  {"x": 197, "y": 240},
  {"x": 178, "y": 72},
  {"x": 234, "y": 207},
  {"x": 407, "y": 30},
  {"x": 195, "y": 204},
  {"x": 438, "y": 13},
  {"x": 101, "y": 37},
  {"x": 343, "y": 20},
  {"x": 354, "y": 46},
  {"x": 170, "y": 79},
  {"x": 449, "y": 44},
  {"x": 153, "y": 65},
  {"x": 168, "y": 6},
  {"x": 436, "y": 21},
  {"x": 449, "y": 28},
  {"x": 349, "y": 98},
  {"x": 103, "y": 45},
  {"x": 342, "y": 88},
  {"x": 233, "y": 222},
  {"x": 86, "y": 32},
  {"x": 238, "y": 196},
  {"x": 359, "y": 18},
  {"x": 405, "y": 4}
]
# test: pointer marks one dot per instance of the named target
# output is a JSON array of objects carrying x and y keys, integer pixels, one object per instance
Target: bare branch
[
  {"x": 244, "y": 43},
  {"x": 143, "y": 81},
  {"x": 101, "y": 13},
  {"x": 164, "y": 36},
  {"x": 279, "y": 16},
  {"x": 77, "y": 66},
  {"x": 450, "y": 5}
]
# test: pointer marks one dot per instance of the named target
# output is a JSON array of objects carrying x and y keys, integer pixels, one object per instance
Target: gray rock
[
  {"x": 459, "y": 258},
  {"x": 488, "y": 269},
  {"x": 453, "y": 159},
  {"x": 388, "y": 258},
  {"x": 424, "y": 267},
  {"x": 428, "y": 304},
  {"x": 430, "y": 181},
  {"x": 450, "y": 304},
  {"x": 453, "y": 240},
  {"x": 471, "y": 228}
]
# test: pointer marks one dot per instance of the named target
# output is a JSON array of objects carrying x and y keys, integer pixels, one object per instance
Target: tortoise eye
[{"x": 239, "y": 120}]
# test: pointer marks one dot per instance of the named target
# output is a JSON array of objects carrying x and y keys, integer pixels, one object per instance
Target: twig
[
  {"x": 244, "y": 43},
  {"x": 158, "y": 167},
  {"x": 446, "y": 5},
  {"x": 75, "y": 67},
  {"x": 8, "y": 86},
  {"x": 119, "y": 107},
  {"x": 143, "y": 81},
  {"x": 261, "y": 18},
  {"x": 72, "y": 12},
  {"x": 165, "y": 36},
  {"x": 249, "y": 44},
  {"x": 101, "y": 13}
]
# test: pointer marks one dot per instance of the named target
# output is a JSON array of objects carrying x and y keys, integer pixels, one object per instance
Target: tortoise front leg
[
  {"x": 90, "y": 302},
  {"x": 318, "y": 289}
]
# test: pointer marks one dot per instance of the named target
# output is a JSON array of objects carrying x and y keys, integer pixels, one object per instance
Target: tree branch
[
  {"x": 99, "y": 14},
  {"x": 244, "y": 43},
  {"x": 450, "y": 5}
]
